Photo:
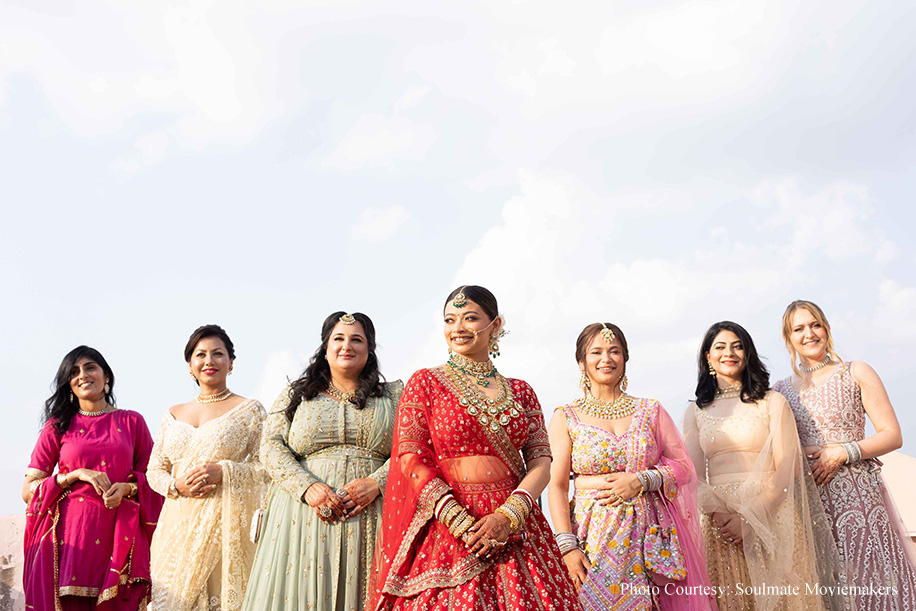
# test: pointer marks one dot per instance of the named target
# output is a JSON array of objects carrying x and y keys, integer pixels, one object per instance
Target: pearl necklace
[
  {"x": 105, "y": 410},
  {"x": 481, "y": 370},
  {"x": 490, "y": 413},
  {"x": 818, "y": 366},
  {"x": 622, "y": 406},
  {"x": 343, "y": 397},
  {"x": 215, "y": 397},
  {"x": 728, "y": 392}
]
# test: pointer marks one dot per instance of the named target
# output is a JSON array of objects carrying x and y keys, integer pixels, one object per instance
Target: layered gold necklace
[
  {"x": 343, "y": 397},
  {"x": 215, "y": 397},
  {"x": 622, "y": 406},
  {"x": 492, "y": 413}
]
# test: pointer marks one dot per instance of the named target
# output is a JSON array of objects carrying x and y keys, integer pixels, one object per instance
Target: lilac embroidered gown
[{"x": 867, "y": 528}]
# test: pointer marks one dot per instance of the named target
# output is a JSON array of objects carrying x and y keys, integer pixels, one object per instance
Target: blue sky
[{"x": 662, "y": 165}]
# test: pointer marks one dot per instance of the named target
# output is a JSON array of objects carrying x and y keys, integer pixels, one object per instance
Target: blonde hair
[{"x": 819, "y": 316}]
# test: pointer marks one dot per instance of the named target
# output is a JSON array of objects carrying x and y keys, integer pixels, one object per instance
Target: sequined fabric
[{"x": 868, "y": 531}]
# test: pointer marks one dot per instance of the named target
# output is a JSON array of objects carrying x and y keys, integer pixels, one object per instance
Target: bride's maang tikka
[
  {"x": 348, "y": 319},
  {"x": 460, "y": 300},
  {"x": 607, "y": 334}
]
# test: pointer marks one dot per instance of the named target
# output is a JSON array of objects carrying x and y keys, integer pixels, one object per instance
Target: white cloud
[
  {"x": 377, "y": 224},
  {"x": 382, "y": 141},
  {"x": 278, "y": 369}
]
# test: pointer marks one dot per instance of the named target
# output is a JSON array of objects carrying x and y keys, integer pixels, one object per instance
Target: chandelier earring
[
  {"x": 584, "y": 383},
  {"x": 712, "y": 371},
  {"x": 624, "y": 383},
  {"x": 493, "y": 342}
]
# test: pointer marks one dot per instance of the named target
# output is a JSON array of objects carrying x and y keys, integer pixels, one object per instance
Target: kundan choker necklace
[
  {"x": 105, "y": 410},
  {"x": 215, "y": 397},
  {"x": 818, "y": 366},
  {"x": 727, "y": 392},
  {"x": 483, "y": 371},
  {"x": 343, "y": 397},
  {"x": 622, "y": 406}
]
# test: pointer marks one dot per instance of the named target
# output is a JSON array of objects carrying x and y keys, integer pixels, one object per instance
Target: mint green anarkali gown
[{"x": 301, "y": 562}]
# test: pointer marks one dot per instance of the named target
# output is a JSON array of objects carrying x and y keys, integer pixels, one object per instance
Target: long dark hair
[
  {"x": 755, "y": 381},
  {"x": 317, "y": 376},
  {"x": 201, "y": 333},
  {"x": 479, "y": 295},
  {"x": 59, "y": 408}
]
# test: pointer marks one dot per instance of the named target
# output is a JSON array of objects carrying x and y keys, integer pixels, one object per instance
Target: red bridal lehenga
[
  {"x": 444, "y": 444},
  {"x": 880, "y": 563},
  {"x": 79, "y": 554}
]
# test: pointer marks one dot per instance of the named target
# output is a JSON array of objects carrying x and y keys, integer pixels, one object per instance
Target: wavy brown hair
[{"x": 317, "y": 376}]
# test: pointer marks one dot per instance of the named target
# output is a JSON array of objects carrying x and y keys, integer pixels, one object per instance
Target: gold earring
[
  {"x": 192, "y": 374},
  {"x": 584, "y": 382},
  {"x": 712, "y": 371},
  {"x": 493, "y": 346},
  {"x": 107, "y": 388},
  {"x": 623, "y": 383},
  {"x": 71, "y": 396}
]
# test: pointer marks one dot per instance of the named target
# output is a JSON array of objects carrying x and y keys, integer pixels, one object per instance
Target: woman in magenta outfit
[{"x": 88, "y": 527}]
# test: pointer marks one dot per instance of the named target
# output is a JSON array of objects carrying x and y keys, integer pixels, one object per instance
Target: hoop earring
[
  {"x": 623, "y": 383},
  {"x": 584, "y": 383},
  {"x": 712, "y": 371}
]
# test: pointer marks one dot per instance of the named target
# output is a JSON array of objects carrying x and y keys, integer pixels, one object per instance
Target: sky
[{"x": 659, "y": 165}]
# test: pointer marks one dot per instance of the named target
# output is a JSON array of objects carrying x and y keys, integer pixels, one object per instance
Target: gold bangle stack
[
  {"x": 517, "y": 509},
  {"x": 455, "y": 518}
]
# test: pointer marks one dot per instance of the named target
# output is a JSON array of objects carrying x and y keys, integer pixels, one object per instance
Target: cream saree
[{"x": 201, "y": 552}]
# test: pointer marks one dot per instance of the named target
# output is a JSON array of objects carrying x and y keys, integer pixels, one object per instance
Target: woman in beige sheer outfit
[
  {"x": 205, "y": 462},
  {"x": 768, "y": 542}
]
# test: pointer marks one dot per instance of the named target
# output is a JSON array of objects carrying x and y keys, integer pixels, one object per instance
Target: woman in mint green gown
[{"x": 326, "y": 444}]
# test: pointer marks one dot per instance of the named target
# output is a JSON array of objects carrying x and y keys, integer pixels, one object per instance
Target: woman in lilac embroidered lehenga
[
  {"x": 830, "y": 399},
  {"x": 630, "y": 538},
  {"x": 88, "y": 529}
]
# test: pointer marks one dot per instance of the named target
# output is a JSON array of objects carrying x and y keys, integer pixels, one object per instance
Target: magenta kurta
[{"x": 74, "y": 545}]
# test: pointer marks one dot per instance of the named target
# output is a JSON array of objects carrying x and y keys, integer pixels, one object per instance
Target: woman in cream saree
[{"x": 201, "y": 553}]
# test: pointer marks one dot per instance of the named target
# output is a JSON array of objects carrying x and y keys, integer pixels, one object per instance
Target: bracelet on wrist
[
  {"x": 566, "y": 541},
  {"x": 62, "y": 480},
  {"x": 853, "y": 452}
]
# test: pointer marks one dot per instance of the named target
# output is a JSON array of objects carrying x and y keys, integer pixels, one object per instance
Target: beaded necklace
[
  {"x": 622, "y": 406},
  {"x": 481, "y": 370},
  {"x": 492, "y": 413},
  {"x": 818, "y": 366},
  {"x": 215, "y": 397}
]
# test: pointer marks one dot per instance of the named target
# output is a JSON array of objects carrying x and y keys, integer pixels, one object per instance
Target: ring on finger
[{"x": 325, "y": 511}]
